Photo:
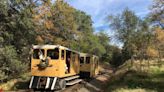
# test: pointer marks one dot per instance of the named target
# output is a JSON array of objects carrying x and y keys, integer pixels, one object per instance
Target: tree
[
  {"x": 55, "y": 23},
  {"x": 135, "y": 34},
  {"x": 104, "y": 41},
  {"x": 125, "y": 25},
  {"x": 16, "y": 36},
  {"x": 90, "y": 43},
  {"x": 116, "y": 57},
  {"x": 159, "y": 42},
  {"x": 16, "y": 22},
  {"x": 104, "y": 38},
  {"x": 143, "y": 39},
  {"x": 157, "y": 13},
  {"x": 10, "y": 65},
  {"x": 86, "y": 41}
]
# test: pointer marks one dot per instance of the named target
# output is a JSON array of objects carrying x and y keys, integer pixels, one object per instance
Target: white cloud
[{"x": 100, "y": 9}]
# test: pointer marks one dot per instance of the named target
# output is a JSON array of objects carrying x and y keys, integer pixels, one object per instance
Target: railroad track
[
  {"x": 85, "y": 85},
  {"x": 80, "y": 87},
  {"x": 73, "y": 88}
]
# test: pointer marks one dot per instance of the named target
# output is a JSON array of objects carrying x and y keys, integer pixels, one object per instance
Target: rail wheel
[{"x": 62, "y": 84}]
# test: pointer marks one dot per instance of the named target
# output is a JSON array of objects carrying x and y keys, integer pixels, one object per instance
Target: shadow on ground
[{"x": 20, "y": 85}]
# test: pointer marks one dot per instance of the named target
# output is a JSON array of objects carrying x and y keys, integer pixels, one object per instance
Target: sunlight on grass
[
  {"x": 8, "y": 85},
  {"x": 151, "y": 80},
  {"x": 15, "y": 84}
]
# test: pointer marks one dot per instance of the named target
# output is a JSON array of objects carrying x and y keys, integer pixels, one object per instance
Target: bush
[
  {"x": 2, "y": 75},
  {"x": 10, "y": 65},
  {"x": 116, "y": 58}
]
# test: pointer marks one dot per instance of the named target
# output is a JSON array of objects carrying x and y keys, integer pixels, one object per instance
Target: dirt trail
[{"x": 99, "y": 83}]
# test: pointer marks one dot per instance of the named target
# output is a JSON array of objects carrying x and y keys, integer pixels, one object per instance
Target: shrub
[
  {"x": 10, "y": 65},
  {"x": 2, "y": 76},
  {"x": 116, "y": 58}
]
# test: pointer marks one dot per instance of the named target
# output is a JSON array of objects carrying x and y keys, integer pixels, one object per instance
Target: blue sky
[{"x": 100, "y": 9}]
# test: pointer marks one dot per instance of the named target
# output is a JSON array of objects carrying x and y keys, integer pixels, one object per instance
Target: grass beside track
[{"x": 151, "y": 80}]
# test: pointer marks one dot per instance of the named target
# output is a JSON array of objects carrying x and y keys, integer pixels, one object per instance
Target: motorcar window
[{"x": 53, "y": 53}]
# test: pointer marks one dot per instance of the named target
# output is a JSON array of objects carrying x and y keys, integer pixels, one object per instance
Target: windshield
[
  {"x": 87, "y": 60},
  {"x": 81, "y": 60},
  {"x": 53, "y": 53},
  {"x": 38, "y": 53}
]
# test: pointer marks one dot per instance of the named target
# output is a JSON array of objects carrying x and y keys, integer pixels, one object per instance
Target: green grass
[{"x": 137, "y": 81}]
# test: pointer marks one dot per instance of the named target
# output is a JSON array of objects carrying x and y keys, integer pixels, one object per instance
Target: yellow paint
[
  {"x": 57, "y": 67},
  {"x": 92, "y": 67}
]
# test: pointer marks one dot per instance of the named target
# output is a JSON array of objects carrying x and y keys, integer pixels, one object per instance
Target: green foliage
[
  {"x": 9, "y": 62},
  {"x": 135, "y": 34},
  {"x": 135, "y": 80},
  {"x": 126, "y": 25},
  {"x": 2, "y": 76},
  {"x": 41, "y": 22},
  {"x": 90, "y": 44},
  {"x": 86, "y": 41},
  {"x": 116, "y": 59},
  {"x": 16, "y": 34},
  {"x": 16, "y": 26},
  {"x": 83, "y": 21},
  {"x": 104, "y": 38},
  {"x": 64, "y": 21},
  {"x": 28, "y": 22}
]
